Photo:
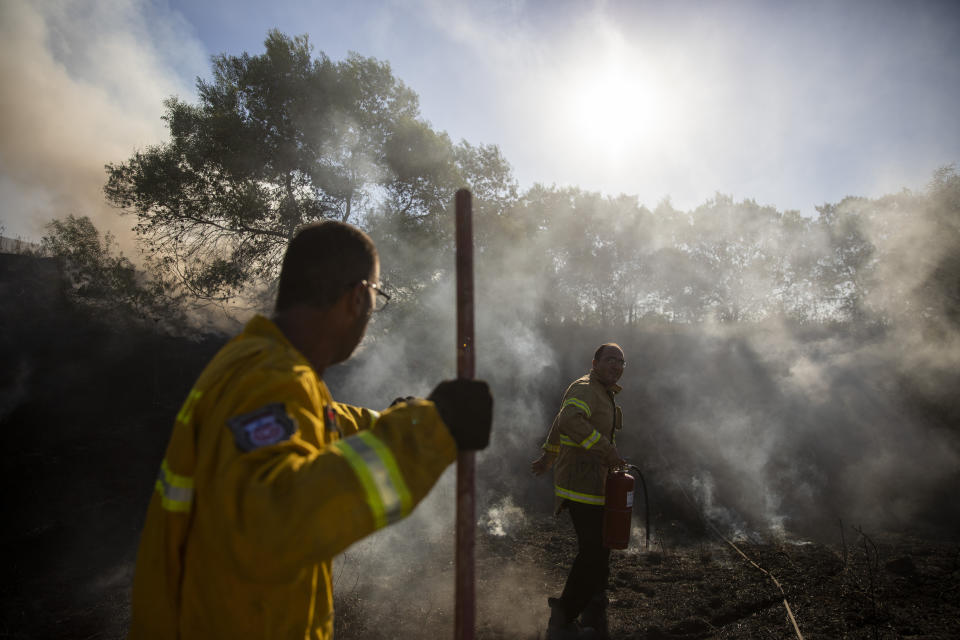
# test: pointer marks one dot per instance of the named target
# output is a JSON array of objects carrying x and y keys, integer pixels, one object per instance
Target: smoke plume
[
  {"x": 763, "y": 427},
  {"x": 84, "y": 84}
]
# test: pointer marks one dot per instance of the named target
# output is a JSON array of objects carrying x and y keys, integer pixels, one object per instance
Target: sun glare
[{"x": 614, "y": 105}]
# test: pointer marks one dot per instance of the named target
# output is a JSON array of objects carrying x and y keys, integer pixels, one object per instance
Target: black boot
[
  {"x": 595, "y": 615},
  {"x": 562, "y": 628}
]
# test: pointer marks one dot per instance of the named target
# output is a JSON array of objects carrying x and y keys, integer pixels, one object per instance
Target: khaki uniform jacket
[
  {"x": 264, "y": 480},
  {"x": 583, "y": 433}
]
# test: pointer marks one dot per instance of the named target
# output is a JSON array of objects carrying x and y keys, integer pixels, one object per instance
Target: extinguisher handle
[{"x": 625, "y": 466}]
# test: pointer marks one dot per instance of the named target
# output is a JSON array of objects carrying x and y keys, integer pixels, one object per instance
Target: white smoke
[
  {"x": 503, "y": 518},
  {"x": 84, "y": 84}
]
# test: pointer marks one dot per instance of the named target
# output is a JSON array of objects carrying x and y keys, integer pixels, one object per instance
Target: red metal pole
[{"x": 465, "y": 618}]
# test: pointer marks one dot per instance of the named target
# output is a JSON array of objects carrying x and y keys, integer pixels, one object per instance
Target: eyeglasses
[
  {"x": 620, "y": 361},
  {"x": 382, "y": 298}
]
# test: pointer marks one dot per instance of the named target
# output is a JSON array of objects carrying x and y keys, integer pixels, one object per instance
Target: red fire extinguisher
[{"x": 618, "y": 507}]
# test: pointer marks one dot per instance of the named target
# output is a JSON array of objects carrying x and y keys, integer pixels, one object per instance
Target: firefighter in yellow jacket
[
  {"x": 266, "y": 477},
  {"x": 581, "y": 448}
]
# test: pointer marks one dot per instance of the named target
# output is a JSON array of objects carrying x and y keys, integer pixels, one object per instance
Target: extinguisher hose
[{"x": 646, "y": 503}]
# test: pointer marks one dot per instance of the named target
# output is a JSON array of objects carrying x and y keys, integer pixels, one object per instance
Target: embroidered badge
[{"x": 262, "y": 428}]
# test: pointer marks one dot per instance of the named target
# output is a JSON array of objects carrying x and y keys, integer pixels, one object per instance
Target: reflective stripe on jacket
[
  {"x": 582, "y": 434},
  {"x": 264, "y": 480}
]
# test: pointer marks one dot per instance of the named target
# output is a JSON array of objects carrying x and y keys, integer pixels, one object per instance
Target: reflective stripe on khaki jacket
[
  {"x": 582, "y": 434},
  {"x": 265, "y": 479}
]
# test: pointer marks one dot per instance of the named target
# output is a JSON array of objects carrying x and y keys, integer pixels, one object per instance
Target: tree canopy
[
  {"x": 281, "y": 139},
  {"x": 284, "y": 138}
]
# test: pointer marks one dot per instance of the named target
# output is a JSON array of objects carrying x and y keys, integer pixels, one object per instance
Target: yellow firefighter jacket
[
  {"x": 264, "y": 480},
  {"x": 583, "y": 433}
]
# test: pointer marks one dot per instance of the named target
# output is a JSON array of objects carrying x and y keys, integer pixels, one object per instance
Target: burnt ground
[
  {"x": 871, "y": 587},
  {"x": 85, "y": 412}
]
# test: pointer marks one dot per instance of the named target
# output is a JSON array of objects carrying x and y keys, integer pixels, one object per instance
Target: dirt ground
[
  {"x": 871, "y": 587},
  {"x": 884, "y": 587}
]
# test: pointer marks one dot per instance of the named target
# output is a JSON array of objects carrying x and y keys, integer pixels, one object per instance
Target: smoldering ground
[{"x": 721, "y": 430}]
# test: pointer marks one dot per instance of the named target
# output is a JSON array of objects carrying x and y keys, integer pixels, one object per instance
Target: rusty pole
[{"x": 465, "y": 618}]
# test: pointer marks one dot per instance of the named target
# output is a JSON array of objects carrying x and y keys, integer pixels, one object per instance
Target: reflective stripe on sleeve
[
  {"x": 551, "y": 448},
  {"x": 578, "y": 403},
  {"x": 587, "y": 443},
  {"x": 376, "y": 469},
  {"x": 176, "y": 491},
  {"x": 590, "y": 440},
  {"x": 585, "y": 498},
  {"x": 567, "y": 441}
]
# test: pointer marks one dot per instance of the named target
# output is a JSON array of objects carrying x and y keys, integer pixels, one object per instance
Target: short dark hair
[
  {"x": 322, "y": 261},
  {"x": 599, "y": 351}
]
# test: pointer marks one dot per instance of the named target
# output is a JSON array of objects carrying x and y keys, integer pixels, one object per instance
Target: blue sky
[{"x": 793, "y": 104}]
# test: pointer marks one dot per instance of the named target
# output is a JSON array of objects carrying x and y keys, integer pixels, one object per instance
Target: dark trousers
[{"x": 591, "y": 568}]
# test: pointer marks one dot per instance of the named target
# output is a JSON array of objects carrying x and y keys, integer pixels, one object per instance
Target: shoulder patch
[{"x": 262, "y": 428}]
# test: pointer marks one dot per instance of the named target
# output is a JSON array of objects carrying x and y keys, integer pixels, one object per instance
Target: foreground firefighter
[
  {"x": 266, "y": 477},
  {"x": 580, "y": 448}
]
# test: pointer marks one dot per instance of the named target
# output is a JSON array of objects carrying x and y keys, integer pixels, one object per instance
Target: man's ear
[{"x": 357, "y": 302}]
